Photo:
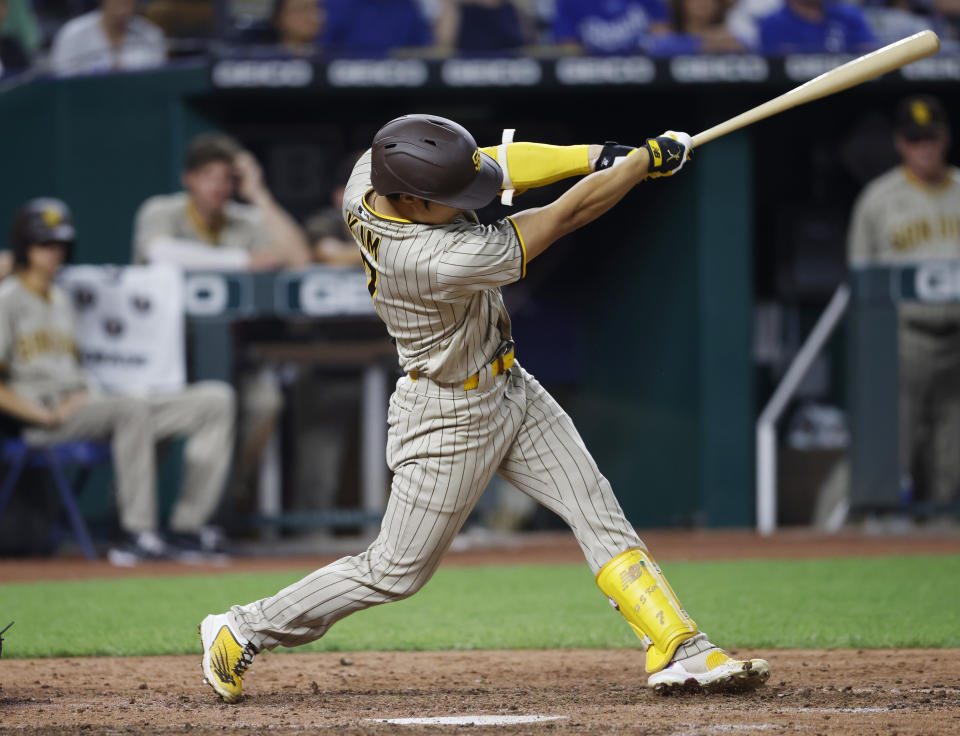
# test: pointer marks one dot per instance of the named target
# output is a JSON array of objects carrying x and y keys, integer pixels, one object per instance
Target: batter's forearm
[
  {"x": 531, "y": 165},
  {"x": 584, "y": 202},
  {"x": 588, "y": 199}
]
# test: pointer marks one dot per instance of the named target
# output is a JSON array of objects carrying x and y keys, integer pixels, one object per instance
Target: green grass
[{"x": 876, "y": 602}]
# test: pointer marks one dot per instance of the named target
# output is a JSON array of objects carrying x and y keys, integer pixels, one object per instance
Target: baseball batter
[{"x": 465, "y": 408}]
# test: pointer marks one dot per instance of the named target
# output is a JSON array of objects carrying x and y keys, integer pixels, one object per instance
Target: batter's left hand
[{"x": 668, "y": 153}]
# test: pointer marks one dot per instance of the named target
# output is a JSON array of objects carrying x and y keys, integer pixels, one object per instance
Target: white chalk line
[
  {"x": 691, "y": 730},
  {"x": 478, "y": 720},
  {"x": 865, "y": 709},
  {"x": 923, "y": 690}
]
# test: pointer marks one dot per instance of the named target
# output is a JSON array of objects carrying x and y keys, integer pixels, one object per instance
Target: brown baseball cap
[{"x": 921, "y": 117}]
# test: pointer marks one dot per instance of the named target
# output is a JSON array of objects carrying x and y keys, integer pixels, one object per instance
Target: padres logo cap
[
  {"x": 45, "y": 220},
  {"x": 435, "y": 159},
  {"x": 921, "y": 117},
  {"x": 39, "y": 221}
]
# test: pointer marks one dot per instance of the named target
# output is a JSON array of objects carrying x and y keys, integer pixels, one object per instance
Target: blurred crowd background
[
  {"x": 664, "y": 329},
  {"x": 80, "y": 36}
]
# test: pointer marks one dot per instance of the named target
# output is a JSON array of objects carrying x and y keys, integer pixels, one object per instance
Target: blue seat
[{"x": 19, "y": 455}]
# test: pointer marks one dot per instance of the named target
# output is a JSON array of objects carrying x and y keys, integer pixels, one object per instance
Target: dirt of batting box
[{"x": 581, "y": 691}]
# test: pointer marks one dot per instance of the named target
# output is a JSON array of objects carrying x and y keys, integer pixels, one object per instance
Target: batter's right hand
[{"x": 668, "y": 153}]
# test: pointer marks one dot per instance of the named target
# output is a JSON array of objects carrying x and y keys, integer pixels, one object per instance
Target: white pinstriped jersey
[{"x": 436, "y": 287}]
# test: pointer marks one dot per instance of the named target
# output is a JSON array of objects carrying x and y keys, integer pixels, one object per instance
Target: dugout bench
[{"x": 319, "y": 316}]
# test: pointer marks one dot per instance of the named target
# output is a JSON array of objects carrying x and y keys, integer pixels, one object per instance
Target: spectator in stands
[
  {"x": 910, "y": 214},
  {"x": 21, "y": 22},
  {"x": 203, "y": 228},
  {"x": 613, "y": 27},
  {"x": 892, "y": 20},
  {"x": 297, "y": 25},
  {"x": 480, "y": 26},
  {"x": 113, "y": 38},
  {"x": 949, "y": 11},
  {"x": 13, "y": 57},
  {"x": 744, "y": 17},
  {"x": 187, "y": 24},
  {"x": 372, "y": 28},
  {"x": 46, "y": 389},
  {"x": 699, "y": 27},
  {"x": 815, "y": 27}
]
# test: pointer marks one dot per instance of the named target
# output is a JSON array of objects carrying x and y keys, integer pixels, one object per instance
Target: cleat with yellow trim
[
  {"x": 226, "y": 656},
  {"x": 699, "y": 666}
]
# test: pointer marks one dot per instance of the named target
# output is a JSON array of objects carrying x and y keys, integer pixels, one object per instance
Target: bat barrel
[{"x": 859, "y": 70}]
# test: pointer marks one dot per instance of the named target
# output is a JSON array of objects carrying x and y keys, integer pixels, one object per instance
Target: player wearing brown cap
[{"x": 908, "y": 215}]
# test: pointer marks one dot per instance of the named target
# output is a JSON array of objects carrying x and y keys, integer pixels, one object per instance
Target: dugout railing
[{"x": 869, "y": 301}]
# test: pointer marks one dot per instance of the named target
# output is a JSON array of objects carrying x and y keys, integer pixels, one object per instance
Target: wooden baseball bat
[{"x": 859, "y": 70}]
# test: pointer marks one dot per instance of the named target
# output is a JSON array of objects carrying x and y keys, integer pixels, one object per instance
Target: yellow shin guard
[{"x": 636, "y": 587}]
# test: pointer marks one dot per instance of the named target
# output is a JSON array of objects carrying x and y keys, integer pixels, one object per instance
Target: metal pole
[
  {"x": 766, "y": 424},
  {"x": 373, "y": 466}
]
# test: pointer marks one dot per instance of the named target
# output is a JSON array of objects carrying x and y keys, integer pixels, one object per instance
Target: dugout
[{"x": 641, "y": 323}]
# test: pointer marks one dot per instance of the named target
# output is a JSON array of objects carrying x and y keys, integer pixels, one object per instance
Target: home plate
[{"x": 466, "y": 720}]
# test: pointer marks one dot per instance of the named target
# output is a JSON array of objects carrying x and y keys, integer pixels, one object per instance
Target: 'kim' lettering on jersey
[
  {"x": 369, "y": 243},
  {"x": 436, "y": 286}
]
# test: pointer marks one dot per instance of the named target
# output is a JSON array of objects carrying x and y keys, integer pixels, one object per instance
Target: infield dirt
[
  {"x": 596, "y": 692},
  {"x": 904, "y": 692}
]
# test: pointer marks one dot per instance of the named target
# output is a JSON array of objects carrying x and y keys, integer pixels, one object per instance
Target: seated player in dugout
[
  {"x": 204, "y": 228},
  {"x": 46, "y": 390},
  {"x": 435, "y": 275}
]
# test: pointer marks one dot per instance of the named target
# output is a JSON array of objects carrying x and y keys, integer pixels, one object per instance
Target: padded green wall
[
  {"x": 664, "y": 397},
  {"x": 102, "y": 144},
  {"x": 667, "y": 403}
]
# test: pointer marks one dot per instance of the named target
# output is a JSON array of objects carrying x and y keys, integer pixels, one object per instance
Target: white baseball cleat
[
  {"x": 226, "y": 656},
  {"x": 700, "y": 666}
]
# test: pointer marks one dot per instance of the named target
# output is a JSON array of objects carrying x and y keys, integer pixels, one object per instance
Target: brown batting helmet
[{"x": 435, "y": 159}]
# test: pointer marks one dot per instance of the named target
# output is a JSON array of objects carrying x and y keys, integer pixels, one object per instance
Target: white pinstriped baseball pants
[{"x": 444, "y": 445}]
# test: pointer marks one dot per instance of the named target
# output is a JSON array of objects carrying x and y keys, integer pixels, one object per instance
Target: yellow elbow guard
[
  {"x": 636, "y": 587},
  {"x": 531, "y": 165}
]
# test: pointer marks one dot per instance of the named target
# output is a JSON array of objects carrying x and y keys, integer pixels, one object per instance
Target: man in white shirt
[{"x": 113, "y": 38}]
